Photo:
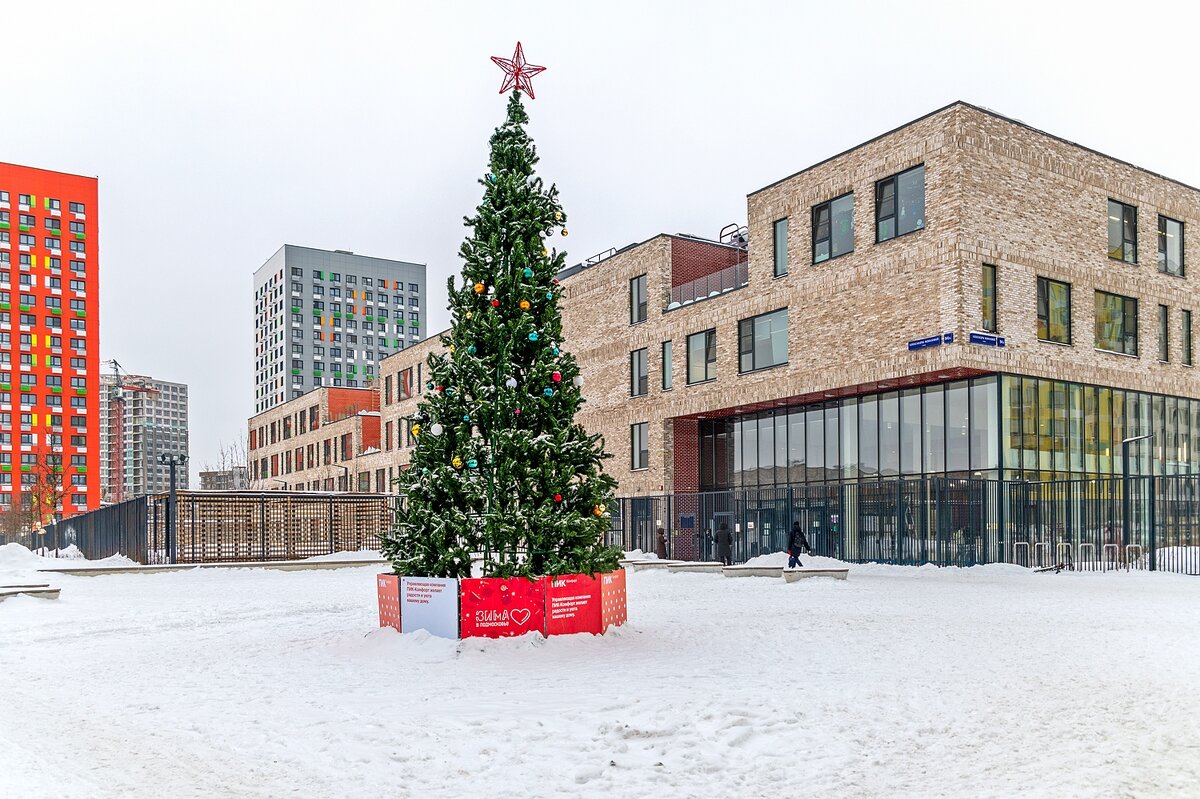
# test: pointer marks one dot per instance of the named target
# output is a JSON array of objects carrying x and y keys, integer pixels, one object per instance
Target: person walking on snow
[
  {"x": 797, "y": 543},
  {"x": 660, "y": 544},
  {"x": 724, "y": 541}
]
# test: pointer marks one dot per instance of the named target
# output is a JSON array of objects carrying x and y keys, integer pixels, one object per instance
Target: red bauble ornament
[
  {"x": 517, "y": 412},
  {"x": 517, "y": 72},
  {"x": 556, "y": 377},
  {"x": 439, "y": 388},
  {"x": 558, "y": 497},
  {"x": 495, "y": 303},
  {"x": 554, "y": 281}
]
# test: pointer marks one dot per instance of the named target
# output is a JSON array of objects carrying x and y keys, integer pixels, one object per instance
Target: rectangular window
[
  {"x": 1164, "y": 333},
  {"x": 667, "y": 376},
  {"x": 1116, "y": 323},
  {"x": 833, "y": 229},
  {"x": 1170, "y": 246},
  {"x": 1185, "y": 338},
  {"x": 900, "y": 204},
  {"x": 779, "y": 237},
  {"x": 639, "y": 382},
  {"x": 1122, "y": 232},
  {"x": 1053, "y": 311},
  {"x": 702, "y": 356},
  {"x": 639, "y": 445},
  {"x": 762, "y": 341},
  {"x": 987, "y": 299},
  {"x": 637, "y": 300}
]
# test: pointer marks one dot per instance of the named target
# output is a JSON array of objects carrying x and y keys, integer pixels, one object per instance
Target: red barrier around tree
[
  {"x": 614, "y": 611},
  {"x": 497, "y": 607},
  {"x": 573, "y": 604},
  {"x": 388, "y": 588}
]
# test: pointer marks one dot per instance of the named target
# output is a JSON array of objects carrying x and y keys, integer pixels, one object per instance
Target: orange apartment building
[{"x": 49, "y": 343}]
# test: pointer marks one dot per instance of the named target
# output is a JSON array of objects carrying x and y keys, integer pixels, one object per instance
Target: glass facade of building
[{"x": 997, "y": 426}]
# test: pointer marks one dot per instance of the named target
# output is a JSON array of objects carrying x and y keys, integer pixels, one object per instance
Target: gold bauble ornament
[
  {"x": 457, "y": 462},
  {"x": 558, "y": 216},
  {"x": 470, "y": 315},
  {"x": 416, "y": 429},
  {"x": 479, "y": 288},
  {"x": 451, "y": 349},
  {"x": 598, "y": 510},
  {"x": 524, "y": 305},
  {"x": 545, "y": 252},
  {"x": 564, "y": 231}
]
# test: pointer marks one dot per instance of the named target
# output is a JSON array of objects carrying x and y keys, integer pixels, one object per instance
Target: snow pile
[
  {"x": 1185, "y": 560},
  {"x": 637, "y": 554},
  {"x": 362, "y": 554},
  {"x": 901, "y": 681},
  {"x": 15, "y": 558}
]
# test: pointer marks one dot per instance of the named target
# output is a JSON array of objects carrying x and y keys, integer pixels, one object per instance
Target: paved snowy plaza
[{"x": 900, "y": 682}]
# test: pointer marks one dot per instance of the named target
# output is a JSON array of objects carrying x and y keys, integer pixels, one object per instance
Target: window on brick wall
[
  {"x": 900, "y": 204},
  {"x": 1185, "y": 338},
  {"x": 1122, "y": 232},
  {"x": 779, "y": 238},
  {"x": 1116, "y": 323},
  {"x": 668, "y": 377},
  {"x": 702, "y": 356},
  {"x": 639, "y": 382},
  {"x": 763, "y": 341},
  {"x": 833, "y": 228},
  {"x": 637, "y": 300},
  {"x": 1053, "y": 310},
  {"x": 987, "y": 299},
  {"x": 1170, "y": 246},
  {"x": 1164, "y": 333},
  {"x": 639, "y": 445}
]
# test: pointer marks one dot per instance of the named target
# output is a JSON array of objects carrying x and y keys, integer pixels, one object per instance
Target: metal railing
[
  {"x": 1076, "y": 524},
  {"x": 729, "y": 278}
]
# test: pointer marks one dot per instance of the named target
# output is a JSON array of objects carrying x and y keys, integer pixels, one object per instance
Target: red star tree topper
[{"x": 517, "y": 72}]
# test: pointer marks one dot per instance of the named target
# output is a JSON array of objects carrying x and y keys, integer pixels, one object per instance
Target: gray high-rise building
[
  {"x": 140, "y": 419},
  {"x": 327, "y": 317}
]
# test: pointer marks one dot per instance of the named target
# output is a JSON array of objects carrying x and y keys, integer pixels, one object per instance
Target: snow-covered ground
[{"x": 900, "y": 682}]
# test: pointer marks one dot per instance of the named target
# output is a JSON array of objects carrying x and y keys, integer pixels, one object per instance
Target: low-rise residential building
[{"x": 235, "y": 478}]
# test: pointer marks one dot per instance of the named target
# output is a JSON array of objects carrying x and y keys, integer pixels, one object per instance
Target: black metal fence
[
  {"x": 1079, "y": 524},
  {"x": 223, "y": 527}
]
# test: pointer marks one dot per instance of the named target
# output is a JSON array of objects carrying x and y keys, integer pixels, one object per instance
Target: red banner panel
[
  {"x": 496, "y": 607},
  {"x": 573, "y": 604},
  {"x": 388, "y": 587},
  {"x": 612, "y": 599}
]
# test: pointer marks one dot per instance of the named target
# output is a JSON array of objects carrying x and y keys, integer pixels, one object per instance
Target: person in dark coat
[
  {"x": 724, "y": 540},
  {"x": 660, "y": 544},
  {"x": 797, "y": 543}
]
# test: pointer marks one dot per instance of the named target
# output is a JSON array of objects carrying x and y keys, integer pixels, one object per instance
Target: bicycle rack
[
  {"x": 1042, "y": 549},
  {"x": 1105, "y": 561},
  {"x": 1133, "y": 556},
  {"x": 1016, "y": 548},
  {"x": 1087, "y": 555}
]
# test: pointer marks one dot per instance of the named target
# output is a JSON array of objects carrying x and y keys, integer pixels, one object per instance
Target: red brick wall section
[
  {"x": 686, "y": 451},
  {"x": 345, "y": 402},
  {"x": 691, "y": 259},
  {"x": 370, "y": 432}
]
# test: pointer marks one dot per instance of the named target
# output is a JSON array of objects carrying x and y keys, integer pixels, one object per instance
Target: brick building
[{"x": 963, "y": 296}]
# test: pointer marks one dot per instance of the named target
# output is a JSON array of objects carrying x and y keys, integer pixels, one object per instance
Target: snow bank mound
[
  {"x": 15, "y": 556},
  {"x": 362, "y": 554},
  {"x": 637, "y": 554}
]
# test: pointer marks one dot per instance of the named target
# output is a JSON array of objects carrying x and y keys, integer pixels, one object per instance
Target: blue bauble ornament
[
  {"x": 450, "y": 391},
  {"x": 533, "y": 336},
  {"x": 549, "y": 295},
  {"x": 528, "y": 272},
  {"x": 471, "y": 350},
  {"x": 471, "y": 464},
  {"x": 491, "y": 177},
  {"x": 554, "y": 350},
  {"x": 429, "y": 386},
  {"x": 466, "y": 417},
  {"x": 549, "y": 392}
]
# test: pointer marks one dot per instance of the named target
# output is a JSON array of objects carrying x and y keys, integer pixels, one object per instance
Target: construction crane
[{"x": 116, "y": 425}]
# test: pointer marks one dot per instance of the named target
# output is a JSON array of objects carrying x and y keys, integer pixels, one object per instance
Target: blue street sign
[
  {"x": 987, "y": 339},
  {"x": 931, "y": 341}
]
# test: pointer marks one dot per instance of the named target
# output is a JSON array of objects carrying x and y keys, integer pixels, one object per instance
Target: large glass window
[
  {"x": 935, "y": 429},
  {"x": 987, "y": 299},
  {"x": 702, "y": 356},
  {"x": 762, "y": 341},
  {"x": 779, "y": 238},
  {"x": 1122, "y": 232},
  {"x": 900, "y": 204},
  {"x": 639, "y": 445},
  {"x": 637, "y": 300},
  {"x": 668, "y": 376},
  {"x": 910, "y": 431},
  {"x": 868, "y": 436},
  {"x": 833, "y": 228},
  {"x": 984, "y": 411},
  {"x": 1185, "y": 338},
  {"x": 1170, "y": 246},
  {"x": 1053, "y": 310},
  {"x": 958, "y": 427},
  {"x": 1164, "y": 333},
  {"x": 889, "y": 434},
  {"x": 1116, "y": 323},
  {"x": 639, "y": 382}
]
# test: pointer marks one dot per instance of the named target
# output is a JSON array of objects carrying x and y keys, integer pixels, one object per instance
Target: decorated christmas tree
[{"x": 501, "y": 469}]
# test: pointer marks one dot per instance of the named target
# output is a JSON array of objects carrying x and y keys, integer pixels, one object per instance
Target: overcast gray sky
[{"x": 221, "y": 130}]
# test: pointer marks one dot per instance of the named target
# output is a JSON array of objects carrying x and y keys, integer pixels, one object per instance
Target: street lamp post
[
  {"x": 1126, "y": 502},
  {"x": 172, "y": 459}
]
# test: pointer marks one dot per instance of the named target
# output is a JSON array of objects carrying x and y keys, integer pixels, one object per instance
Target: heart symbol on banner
[{"x": 520, "y": 616}]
